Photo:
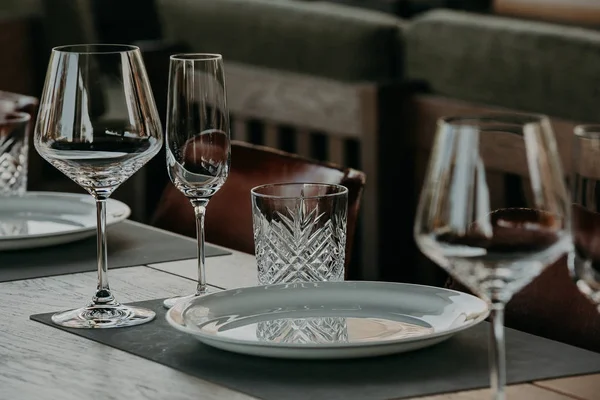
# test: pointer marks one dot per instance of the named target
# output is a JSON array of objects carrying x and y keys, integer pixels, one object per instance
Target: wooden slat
[
  {"x": 294, "y": 99},
  {"x": 271, "y": 135},
  {"x": 335, "y": 151},
  {"x": 302, "y": 138},
  {"x": 240, "y": 129},
  {"x": 580, "y": 387},
  {"x": 502, "y": 152},
  {"x": 369, "y": 159},
  {"x": 429, "y": 108},
  {"x": 338, "y": 110}
]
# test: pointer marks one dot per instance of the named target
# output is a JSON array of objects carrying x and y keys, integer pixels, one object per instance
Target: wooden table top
[{"x": 41, "y": 362}]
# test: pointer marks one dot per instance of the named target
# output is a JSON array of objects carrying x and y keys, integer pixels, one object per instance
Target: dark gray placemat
[
  {"x": 459, "y": 363},
  {"x": 129, "y": 244}
]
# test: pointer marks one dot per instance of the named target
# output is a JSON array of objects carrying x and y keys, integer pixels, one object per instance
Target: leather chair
[
  {"x": 551, "y": 305},
  {"x": 228, "y": 220}
]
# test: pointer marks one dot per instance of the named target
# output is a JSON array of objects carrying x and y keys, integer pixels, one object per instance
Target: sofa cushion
[
  {"x": 316, "y": 38},
  {"x": 500, "y": 61}
]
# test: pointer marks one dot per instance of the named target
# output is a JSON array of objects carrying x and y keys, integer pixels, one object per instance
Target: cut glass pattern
[{"x": 300, "y": 245}]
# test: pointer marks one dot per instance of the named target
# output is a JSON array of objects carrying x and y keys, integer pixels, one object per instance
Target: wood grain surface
[{"x": 40, "y": 362}]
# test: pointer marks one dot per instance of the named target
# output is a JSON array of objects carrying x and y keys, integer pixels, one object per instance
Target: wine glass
[
  {"x": 584, "y": 261},
  {"x": 98, "y": 125},
  {"x": 491, "y": 247},
  {"x": 197, "y": 138}
]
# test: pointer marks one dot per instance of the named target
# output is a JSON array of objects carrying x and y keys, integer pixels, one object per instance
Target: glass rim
[
  {"x": 587, "y": 131},
  {"x": 94, "y": 48},
  {"x": 341, "y": 190},
  {"x": 506, "y": 118},
  {"x": 14, "y": 117},
  {"x": 196, "y": 57}
]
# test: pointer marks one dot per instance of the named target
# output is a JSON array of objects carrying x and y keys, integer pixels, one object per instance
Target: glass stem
[
  {"x": 497, "y": 355},
  {"x": 200, "y": 211},
  {"x": 103, "y": 295}
]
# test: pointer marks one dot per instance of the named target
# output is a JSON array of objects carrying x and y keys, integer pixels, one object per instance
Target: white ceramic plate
[
  {"x": 39, "y": 219},
  {"x": 328, "y": 319}
]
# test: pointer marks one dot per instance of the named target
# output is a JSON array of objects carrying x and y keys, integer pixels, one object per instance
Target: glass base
[
  {"x": 103, "y": 316},
  {"x": 170, "y": 302}
]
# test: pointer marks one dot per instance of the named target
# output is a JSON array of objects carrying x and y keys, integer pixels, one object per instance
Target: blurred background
[{"x": 356, "y": 82}]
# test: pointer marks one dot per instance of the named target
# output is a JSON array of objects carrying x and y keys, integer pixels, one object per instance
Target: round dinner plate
[
  {"x": 327, "y": 320},
  {"x": 39, "y": 219}
]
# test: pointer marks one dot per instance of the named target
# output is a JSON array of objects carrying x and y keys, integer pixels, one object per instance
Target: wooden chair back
[
  {"x": 228, "y": 219},
  {"x": 551, "y": 305},
  {"x": 354, "y": 124}
]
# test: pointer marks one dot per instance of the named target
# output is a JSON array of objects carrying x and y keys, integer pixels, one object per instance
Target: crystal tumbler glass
[
  {"x": 14, "y": 149},
  {"x": 299, "y": 232}
]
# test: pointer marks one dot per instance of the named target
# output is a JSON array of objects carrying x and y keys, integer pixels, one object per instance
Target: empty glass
[
  {"x": 198, "y": 139},
  {"x": 299, "y": 232},
  {"x": 493, "y": 251},
  {"x": 14, "y": 150},
  {"x": 584, "y": 262},
  {"x": 98, "y": 127}
]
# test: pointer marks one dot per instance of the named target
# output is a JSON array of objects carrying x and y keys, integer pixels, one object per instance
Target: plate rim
[
  {"x": 109, "y": 221},
  {"x": 299, "y": 346}
]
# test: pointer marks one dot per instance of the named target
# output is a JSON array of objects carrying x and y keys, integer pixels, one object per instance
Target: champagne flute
[
  {"x": 494, "y": 252},
  {"x": 98, "y": 147},
  {"x": 584, "y": 261},
  {"x": 197, "y": 139}
]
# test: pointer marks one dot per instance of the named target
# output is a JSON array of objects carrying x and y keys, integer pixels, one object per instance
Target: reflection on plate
[
  {"x": 39, "y": 219},
  {"x": 322, "y": 330},
  {"x": 327, "y": 319},
  {"x": 302, "y": 330},
  {"x": 12, "y": 227}
]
